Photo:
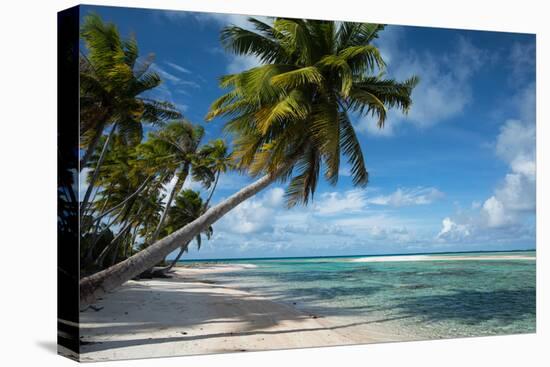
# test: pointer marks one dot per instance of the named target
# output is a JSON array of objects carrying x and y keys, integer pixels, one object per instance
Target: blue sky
[{"x": 456, "y": 174}]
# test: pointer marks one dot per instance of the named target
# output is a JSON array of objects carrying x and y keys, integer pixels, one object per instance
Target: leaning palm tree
[
  {"x": 113, "y": 85},
  {"x": 289, "y": 118}
]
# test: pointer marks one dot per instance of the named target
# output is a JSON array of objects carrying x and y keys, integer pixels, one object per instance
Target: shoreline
[{"x": 186, "y": 315}]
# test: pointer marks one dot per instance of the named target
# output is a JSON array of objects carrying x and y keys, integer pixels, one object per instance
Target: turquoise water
[{"x": 420, "y": 297}]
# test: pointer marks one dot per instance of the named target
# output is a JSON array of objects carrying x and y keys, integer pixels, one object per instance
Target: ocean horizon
[{"x": 358, "y": 255}]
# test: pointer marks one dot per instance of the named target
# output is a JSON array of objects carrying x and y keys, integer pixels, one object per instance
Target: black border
[{"x": 68, "y": 335}]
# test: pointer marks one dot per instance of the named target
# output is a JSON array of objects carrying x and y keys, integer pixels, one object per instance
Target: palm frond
[
  {"x": 297, "y": 78},
  {"x": 352, "y": 150}
]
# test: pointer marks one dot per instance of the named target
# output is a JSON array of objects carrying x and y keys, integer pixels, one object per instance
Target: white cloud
[
  {"x": 368, "y": 124},
  {"x": 175, "y": 80},
  {"x": 191, "y": 184},
  {"x": 407, "y": 197},
  {"x": 178, "y": 67},
  {"x": 164, "y": 74},
  {"x": 513, "y": 200},
  {"x": 393, "y": 235},
  {"x": 239, "y": 63},
  {"x": 274, "y": 197},
  {"x": 452, "y": 231},
  {"x": 445, "y": 87},
  {"x": 515, "y": 141},
  {"x": 516, "y": 146},
  {"x": 332, "y": 203},
  {"x": 254, "y": 215},
  {"x": 344, "y": 170},
  {"x": 496, "y": 214}
]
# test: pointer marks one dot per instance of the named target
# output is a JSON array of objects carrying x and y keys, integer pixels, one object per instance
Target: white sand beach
[{"x": 185, "y": 316}]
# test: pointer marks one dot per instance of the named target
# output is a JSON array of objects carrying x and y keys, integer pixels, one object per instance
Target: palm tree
[
  {"x": 188, "y": 206},
  {"x": 210, "y": 161},
  {"x": 178, "y": 143},
  {"x": 289, "y": 118},
  {"x": 113, "y": 81},
  {"x": 215, "y": 155}
]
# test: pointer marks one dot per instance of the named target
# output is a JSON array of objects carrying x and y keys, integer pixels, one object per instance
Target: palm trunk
[
  {"x": 129, "y": 197},
  {"x": 91, "y": 148},
  {"x": 86, "y": 199},
  {"x": 131, "y": 244},
  {"x": 213, "y": 189},
  {"x": 107, "y": 280},
  {"x": 101, "y": 258},
  {"x": 126, "y": 225},
  {"x": 177, "y": 187},
  {"x": 163, "y": 271}
]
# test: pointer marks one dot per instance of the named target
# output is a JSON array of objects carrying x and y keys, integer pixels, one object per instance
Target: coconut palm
[
  {"x": 215, "y": 156},
  {"x": 187, "y": 207},
  {"x": 113, "y": 84},
  {"x": 289, "y": 118},
  {"x": 177, "y": 143}
]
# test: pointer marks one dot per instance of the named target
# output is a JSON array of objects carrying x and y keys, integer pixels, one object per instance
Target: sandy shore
[{"x": 185, "y": 316}]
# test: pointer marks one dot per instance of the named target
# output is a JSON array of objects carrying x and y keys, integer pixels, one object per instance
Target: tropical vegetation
[{"x": 289, "y": 119}]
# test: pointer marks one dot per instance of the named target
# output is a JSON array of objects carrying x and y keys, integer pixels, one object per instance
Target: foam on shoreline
[{"x": 442, "y": 258}]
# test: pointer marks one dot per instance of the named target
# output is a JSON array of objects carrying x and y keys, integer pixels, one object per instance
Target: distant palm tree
[
  {"x": 188, "y": 206},
  {"x": 217, "y": 159},
  {"x": 289, "y": 118},
  {"x": 212, "y": 159},
  {"x": 112, "y": 85},
  {"x": 177, "y": 143}
]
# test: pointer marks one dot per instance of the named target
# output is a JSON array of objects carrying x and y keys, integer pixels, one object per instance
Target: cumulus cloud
[
  {"x": 332, "y": 203},
  {"x": 393, "y": 235},
  {"x": 453, "y": 231},
  {"x": 513, "y": 200},
  {"x": 255, "y": 215},
  {"x": 407, "y": 197},
  {"x": 445, "y": 88},
  {"x": 516, "y": 146}
]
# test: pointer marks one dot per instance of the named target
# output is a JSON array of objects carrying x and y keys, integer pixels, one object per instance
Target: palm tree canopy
[
  {"x": 173, "y": 147},
  {"x": 112, "y": 81},
  {"x": 215, "y": 155},
  {"x": 295, "y": 107},
  {"x": 187, "y": 207}
]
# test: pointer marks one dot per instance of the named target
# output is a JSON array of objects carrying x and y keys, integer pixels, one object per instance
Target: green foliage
[
  {"x": 112, "y": 82},
  {"x": 131, "y": 191},
  {"x": 293, "y": 110}
]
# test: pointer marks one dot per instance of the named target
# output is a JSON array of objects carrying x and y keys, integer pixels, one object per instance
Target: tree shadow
[
  {"x": 182, "y": 311},
  {"x": 113, "y": 344},
  {"x": 124, "y": 320}
]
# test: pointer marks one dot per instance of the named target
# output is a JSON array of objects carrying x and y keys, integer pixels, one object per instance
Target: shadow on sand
[{"x": 124, "y": 314}]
